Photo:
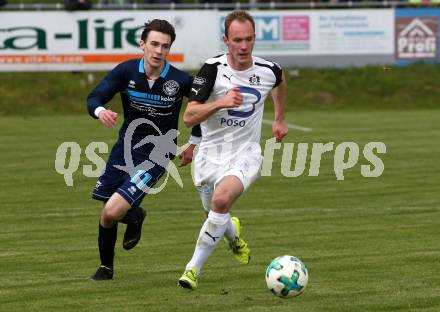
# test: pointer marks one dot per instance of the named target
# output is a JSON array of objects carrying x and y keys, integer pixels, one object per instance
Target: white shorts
[{"x": 208, "y": 174}]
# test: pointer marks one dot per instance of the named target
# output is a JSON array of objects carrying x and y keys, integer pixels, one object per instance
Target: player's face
[
  {"x": 156, "y": 48},
  {"x": 240, "y": 42}
]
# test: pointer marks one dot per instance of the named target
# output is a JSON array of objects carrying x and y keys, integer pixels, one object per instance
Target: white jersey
[{"x": 229, "y": 132}]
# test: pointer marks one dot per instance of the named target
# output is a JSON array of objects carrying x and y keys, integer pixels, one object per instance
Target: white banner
[
  {"x": 96, "y": 40},
  {"x": 322, "y": 32},
  {"x": 353, "y": 32}
]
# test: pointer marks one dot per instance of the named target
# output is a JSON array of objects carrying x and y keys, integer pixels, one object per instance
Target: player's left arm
[
  {"x": 187, "y": 154},
  {"x": 279, "y": 126}
]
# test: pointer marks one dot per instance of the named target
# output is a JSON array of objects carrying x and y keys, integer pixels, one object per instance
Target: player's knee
[
  {"x": 111, "y": 213},
  {"x": 220, "y": 202}
]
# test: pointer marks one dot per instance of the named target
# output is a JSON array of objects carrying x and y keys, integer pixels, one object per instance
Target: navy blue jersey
[{"x": 160, "y": 104}]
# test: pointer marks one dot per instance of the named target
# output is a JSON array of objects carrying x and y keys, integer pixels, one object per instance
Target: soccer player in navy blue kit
[{"x": 151, "y": 93}]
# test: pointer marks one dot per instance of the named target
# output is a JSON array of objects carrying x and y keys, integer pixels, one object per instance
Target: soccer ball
[{"x": 286, "y": 276}]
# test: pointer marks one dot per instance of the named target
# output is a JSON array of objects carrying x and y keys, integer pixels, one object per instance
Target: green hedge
[{"x": 378, "y": 88}]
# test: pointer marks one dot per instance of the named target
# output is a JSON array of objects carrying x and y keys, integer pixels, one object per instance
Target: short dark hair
[
  {"x": 158, "y": 25},
  {"x": 240, "y": 16}
]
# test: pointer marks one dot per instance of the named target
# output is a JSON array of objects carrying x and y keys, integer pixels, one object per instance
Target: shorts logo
[
  {"x": 199, "y": 80},
  {"x": 98, "y": 184},
  {"x": 132, "y": 190},
  {"x": 171, "y": 87}
]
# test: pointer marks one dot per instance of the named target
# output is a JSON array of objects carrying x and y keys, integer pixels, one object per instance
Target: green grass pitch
[{"x": 370, "y": 244}]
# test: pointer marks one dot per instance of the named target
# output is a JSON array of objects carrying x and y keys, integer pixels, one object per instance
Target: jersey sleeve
[
  {"x": 187, "y": 82},
  {"x": 278, "y": 72},
  {"x": 196, "y": 131},
  {"x": 106, "y": 89},
  {"x": 203, "y": 83}
]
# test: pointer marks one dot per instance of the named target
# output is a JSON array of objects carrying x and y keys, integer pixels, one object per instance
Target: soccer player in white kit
[{"x": 227, "y": 100}]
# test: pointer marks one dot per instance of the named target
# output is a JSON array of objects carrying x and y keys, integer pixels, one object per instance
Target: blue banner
[{"x": 417, "y": 36}]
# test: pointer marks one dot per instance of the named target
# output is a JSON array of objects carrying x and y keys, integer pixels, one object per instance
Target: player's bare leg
[
  {"x": 226, "y": 192},
  {"x": 114, "y": 210}
]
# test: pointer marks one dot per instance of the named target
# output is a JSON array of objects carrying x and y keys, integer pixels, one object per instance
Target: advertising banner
[
  {"x": 353, "y": 31},
  {"x": 417, "y": 36},
  {"x": 322, "y": 32},
  {"x": 97, "y": 40}
]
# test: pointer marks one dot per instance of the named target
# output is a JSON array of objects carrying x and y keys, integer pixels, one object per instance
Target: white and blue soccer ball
[{"x": 287, "y": 276}]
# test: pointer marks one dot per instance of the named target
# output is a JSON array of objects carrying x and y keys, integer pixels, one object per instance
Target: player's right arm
[
  {"x": 198, "y": 109},
  {"x": 196, "y": 112},
  {"x": 103, "y": 93}
]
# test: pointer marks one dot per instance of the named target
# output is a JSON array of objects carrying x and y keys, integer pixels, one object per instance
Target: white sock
[
  {"x": 230, "y": 232},
  {"x": 210, "y": 234}
]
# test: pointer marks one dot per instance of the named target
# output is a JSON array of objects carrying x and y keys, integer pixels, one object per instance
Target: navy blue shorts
[{"x": 132, "y": 189}]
